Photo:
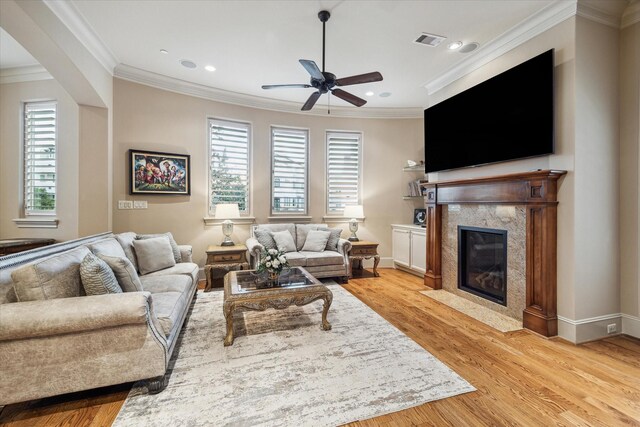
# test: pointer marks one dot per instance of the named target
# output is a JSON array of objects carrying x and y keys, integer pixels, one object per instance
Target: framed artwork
[
  {"x": 419, "y": 216},
  {"x": 151, "y": 172}
]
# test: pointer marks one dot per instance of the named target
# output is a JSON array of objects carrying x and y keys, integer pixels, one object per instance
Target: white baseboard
[
  {"x": 590, "y": 329},
  {"x": 631, "y": 325}
]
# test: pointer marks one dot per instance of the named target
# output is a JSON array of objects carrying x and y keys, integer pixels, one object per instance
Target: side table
[
  {"x": 221, "y": 260},
  {"x": 363, "y": 250}
]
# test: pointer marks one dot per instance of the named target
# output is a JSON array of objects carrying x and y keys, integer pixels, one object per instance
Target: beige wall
[
  {"x": 153, "y": 119},
  {"x": 12, "y": 96}
]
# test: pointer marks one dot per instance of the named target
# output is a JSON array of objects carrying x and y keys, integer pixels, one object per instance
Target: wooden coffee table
[{"x": 245, "y": 290}]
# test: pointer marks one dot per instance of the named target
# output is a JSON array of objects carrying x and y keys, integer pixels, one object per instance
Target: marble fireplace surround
[{"x": 533, "y": 192}]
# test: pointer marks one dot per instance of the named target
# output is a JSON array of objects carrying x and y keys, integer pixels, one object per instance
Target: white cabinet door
[
  {"x": 401, "y": 247},
  {"x": 419, "y": 251}
]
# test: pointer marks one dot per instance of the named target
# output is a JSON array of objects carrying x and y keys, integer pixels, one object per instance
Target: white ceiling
[{"x": 252, "y": 43}]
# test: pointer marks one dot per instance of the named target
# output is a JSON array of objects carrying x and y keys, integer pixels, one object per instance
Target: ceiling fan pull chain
[{"x": 329, "y": 102}]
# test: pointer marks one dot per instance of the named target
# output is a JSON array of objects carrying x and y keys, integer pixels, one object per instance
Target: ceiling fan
[{"x": 324, "y": 81}]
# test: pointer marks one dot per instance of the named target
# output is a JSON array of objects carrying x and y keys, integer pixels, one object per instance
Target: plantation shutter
[
  {"x": 344, "y": 153},
  {"x": 229, "y": 163},
  {"x": 289, "y": 170},
  {"x": 39, "y": 158}
]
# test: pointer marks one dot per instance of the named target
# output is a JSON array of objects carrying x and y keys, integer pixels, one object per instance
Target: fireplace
[{"x": 482, "y": 262}]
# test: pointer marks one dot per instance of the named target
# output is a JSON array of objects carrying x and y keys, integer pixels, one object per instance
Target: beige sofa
[
  {"x": 319, "y": 264},
  {"x": 61, "y": 345}
]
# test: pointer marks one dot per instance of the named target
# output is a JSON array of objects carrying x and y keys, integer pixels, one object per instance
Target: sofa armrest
[
  {"x": 186, "y": 252},
  {"x": 344, "y": 246},
  {"x": 255, "y": 248},
  {"x": 31, "y": 319}
]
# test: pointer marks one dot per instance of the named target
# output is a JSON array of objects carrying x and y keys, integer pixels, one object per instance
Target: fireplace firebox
[{"x": 482, "y": 262}]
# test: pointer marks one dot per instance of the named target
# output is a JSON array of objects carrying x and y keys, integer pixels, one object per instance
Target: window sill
[
  {"x": 298, "y": 219},
  {"x": 334, "y": 219},
  {"x": 38, "y": 222},
  {"x": 245, "y": 220}
]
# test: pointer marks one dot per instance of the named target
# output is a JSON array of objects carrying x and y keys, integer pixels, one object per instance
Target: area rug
[
  {"x": 483, "y": 314},
  {"x": 283, "y": 370}
]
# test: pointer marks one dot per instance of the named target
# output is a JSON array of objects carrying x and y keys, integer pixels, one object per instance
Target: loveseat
[
  {"x": 330, "y": 262},
  {"x": 60, "y": 340}
]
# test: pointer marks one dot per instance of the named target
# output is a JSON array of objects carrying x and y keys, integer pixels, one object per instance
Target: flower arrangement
[{"x": 273, "y": 262}]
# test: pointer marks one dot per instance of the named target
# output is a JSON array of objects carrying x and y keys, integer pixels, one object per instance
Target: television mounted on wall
[{"x": 508, "y": 117}]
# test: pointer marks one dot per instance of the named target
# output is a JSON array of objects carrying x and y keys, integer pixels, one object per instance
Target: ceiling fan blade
[
  {"x": 360, "y": 78},
  {"x": 352, "y": 99},
  {"x": 311, "y": 101},
  {"x": 312, "y": 69},
  {"x": 279, "y": 86}
]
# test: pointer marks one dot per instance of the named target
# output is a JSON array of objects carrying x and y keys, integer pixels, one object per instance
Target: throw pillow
[
  {"x": 284, "y": 241},
  {"x": 97, "y": 278},
  {"x": 109, "y": 247},
  {"x": 316, "y": 241},
  {"x": 154, "y": 254},
  {"x": 334, "y": 238},
  {"x": 265, "y": 239},
  {"x": 303, "y": 229},
  {"x": 177, "y": 256},
  {"x": 126, "y": 241},
  {"x": 125, "y": 273}
]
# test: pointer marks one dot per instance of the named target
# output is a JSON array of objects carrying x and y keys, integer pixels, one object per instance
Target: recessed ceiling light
[
  {"x": 369, "y": 93},
  {"x": 385, "y": 94},
  {"x": 165, "y": 51},
  {"x": 454, "y": 45},
  {"x": 187, "y": 63},
  {"x": 210, "y": 68},
  {"x": 469, "y": 47}
]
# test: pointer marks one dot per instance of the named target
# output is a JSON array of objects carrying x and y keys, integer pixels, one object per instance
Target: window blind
[
  {"x": 289, "y": 170},
  {"x": 39, "y": 158},
  {"x": 229, "y": 163},
  {"x": 344, "y": 154}
]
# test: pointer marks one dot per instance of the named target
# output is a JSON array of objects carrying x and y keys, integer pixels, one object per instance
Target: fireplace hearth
[{"x": 482, "y": 262}]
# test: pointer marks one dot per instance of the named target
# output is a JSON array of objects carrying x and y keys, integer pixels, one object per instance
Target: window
[
  {"x": 229, "y": 163},
  {"x": 344, "y": 161},
  {"x": 39, "y": 158},
  {"x": 289, "y": 148}
]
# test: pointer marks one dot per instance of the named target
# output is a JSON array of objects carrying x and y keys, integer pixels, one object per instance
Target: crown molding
[
  {"x": 596, "y": 15},
  {"x": 171, "y": 84},
  {"x": 73, "y": 19},
  {"x": 24, "y": 74},
  {"x": 631, "y": 15},
  {"x": 548, "y": 17}
]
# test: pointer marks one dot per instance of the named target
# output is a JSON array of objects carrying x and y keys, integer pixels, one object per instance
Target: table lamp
[
  {"x": 353, "y": 212},
  {"x": 226, "y": 211}
]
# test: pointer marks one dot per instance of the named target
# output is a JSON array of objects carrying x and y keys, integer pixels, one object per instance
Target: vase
[{"x": 273, "y": 275}]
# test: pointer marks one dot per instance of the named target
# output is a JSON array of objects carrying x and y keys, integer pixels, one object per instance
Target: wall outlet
[
  {"x": 125, "y": 204},
  {"x": 140, "y": 204},
  {"x": 612, "y": 328}
]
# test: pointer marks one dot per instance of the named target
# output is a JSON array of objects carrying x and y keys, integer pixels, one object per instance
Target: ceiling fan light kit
[{"x": 326, "y": 82}]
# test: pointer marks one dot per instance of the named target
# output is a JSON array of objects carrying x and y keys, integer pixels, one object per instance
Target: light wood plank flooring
[{"x": 522, "y": 379}]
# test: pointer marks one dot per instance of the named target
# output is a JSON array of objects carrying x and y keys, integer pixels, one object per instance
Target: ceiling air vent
[{"x": 429, "y": 39}]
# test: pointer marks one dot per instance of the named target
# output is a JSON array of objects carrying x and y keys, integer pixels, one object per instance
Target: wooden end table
[
  {"x": 221, "y": 260},
  {"x": 363, "y": 250}
]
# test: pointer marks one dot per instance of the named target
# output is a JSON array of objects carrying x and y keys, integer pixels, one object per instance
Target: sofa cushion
[
  {"x": 302, "y": 230},
  {"x": 296, "y": 259},
  {"x": 284, "y": 240},
  {"x": 177, "y": 255},
  {"x": 109, "y": 247},
  {"x": 154, "y": 254},
  {"x": 265, "y": 239},
  {"x": 316, "y": 241},
  {"x": 97, "y": 277},
  {"x": 169, "y": 308},
  {"x": 315, "y": 259},
  {"x": 124, "y": 271},
  {"x": 57, "y": 276},
  {"x": 334, "y": 238},
  {"x": 289, "y": 226},
  {"x": 126, "y": 241},
  {"x": 188, "y": 269},
  {"x": 166, "y": 283}
]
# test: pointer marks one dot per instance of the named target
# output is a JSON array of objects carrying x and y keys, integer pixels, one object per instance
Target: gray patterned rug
[{"x": 283, "y": 370}]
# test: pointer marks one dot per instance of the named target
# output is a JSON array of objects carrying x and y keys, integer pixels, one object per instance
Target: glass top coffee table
[{"x": 250, "y": 291}]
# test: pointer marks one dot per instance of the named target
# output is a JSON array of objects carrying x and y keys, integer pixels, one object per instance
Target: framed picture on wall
[
  {"x": 152, "y": 172},
  {"x": 419, "y": 216}
]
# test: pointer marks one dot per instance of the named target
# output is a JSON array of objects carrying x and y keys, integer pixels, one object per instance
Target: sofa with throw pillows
[
  {"x": 315, "y": 247},
  {"x": 97, "y": 311}
]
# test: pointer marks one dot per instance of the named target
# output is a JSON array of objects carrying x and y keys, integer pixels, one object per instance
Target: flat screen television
[{"x": 509, "y": 116}]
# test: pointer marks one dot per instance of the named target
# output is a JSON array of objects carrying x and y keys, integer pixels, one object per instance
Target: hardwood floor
[{"x": 522, "y": 379}]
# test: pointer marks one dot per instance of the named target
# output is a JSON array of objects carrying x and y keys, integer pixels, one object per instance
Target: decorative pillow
[
  {"x": 334, "y": 238},
  {"x": 284, "y": 241},
  {"x": 303, "y": 229},
  {"x": 316, "y": 241},
  {"x": 109, "y": 247},
  {"x": 126, "y": 241},
  {"x": 57, "y": 276},
  {"x": 154, "y": 254},
  {"x": 177, "y": 255},
  {"x": 124, "y": 271},
  {"x": 97, "y": 278},
  {"x": 265, "y": 239}
]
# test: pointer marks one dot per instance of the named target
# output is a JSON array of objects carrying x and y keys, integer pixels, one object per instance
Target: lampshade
[
  {"x": 227, "y": 211},
  {"x": 355, "y": 211}
]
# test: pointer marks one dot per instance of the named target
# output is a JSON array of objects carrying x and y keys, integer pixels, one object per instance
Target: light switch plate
[
  {"x": 125, "y": 204},
  {"x": 140, "y": 204}
]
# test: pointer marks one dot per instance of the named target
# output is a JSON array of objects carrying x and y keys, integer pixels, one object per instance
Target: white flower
[
  {"x": 276, "y": 263},
  {"x": 282, "y": 259},
  {"x": 273, "y": 252},
  {"x": 268, "y": 264}
]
